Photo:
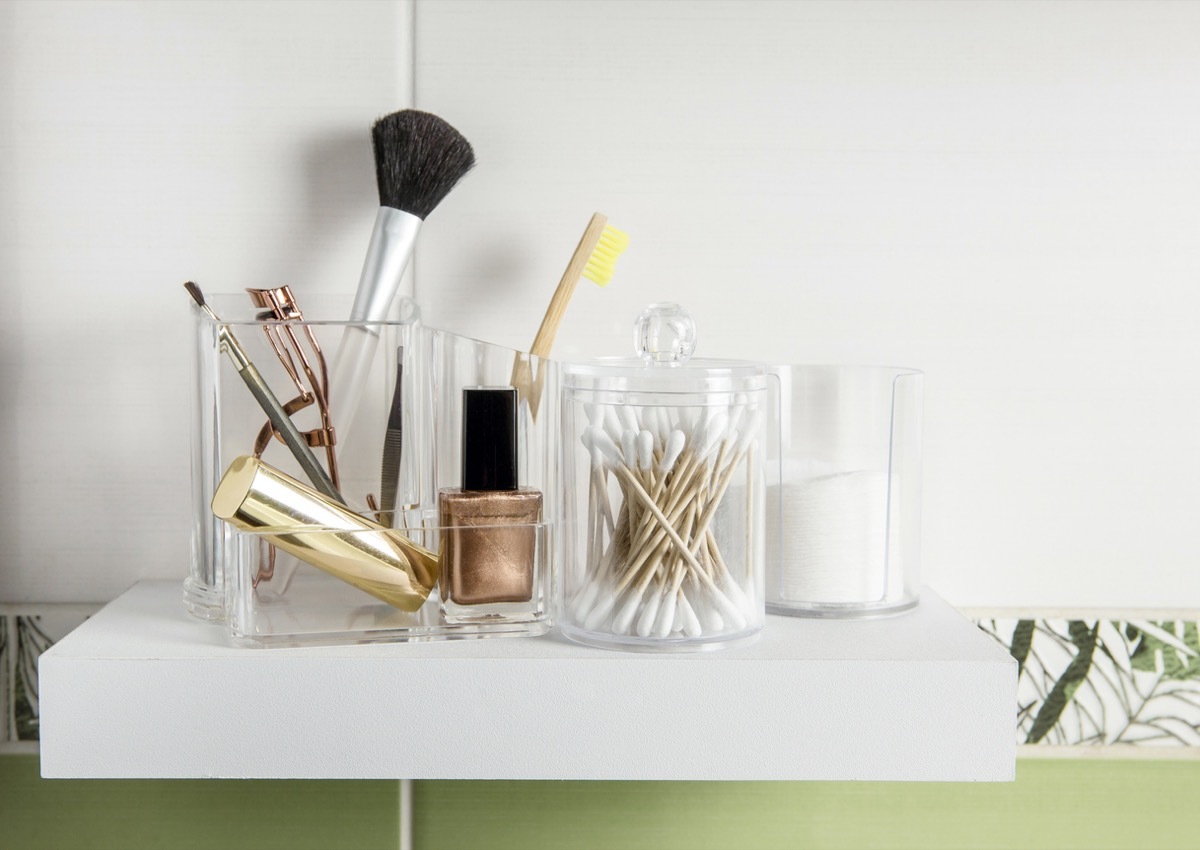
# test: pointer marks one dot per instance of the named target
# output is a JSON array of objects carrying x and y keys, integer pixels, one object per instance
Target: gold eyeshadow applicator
[{"x": 266, "y": 400}]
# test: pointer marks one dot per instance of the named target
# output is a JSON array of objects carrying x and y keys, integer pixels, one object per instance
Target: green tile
[
  {"x": 180, "y": 814},
  {"x": 1053, "y": 805}
]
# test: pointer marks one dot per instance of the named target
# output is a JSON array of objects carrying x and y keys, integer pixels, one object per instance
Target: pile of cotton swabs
[{"x": 653, "y": 566}]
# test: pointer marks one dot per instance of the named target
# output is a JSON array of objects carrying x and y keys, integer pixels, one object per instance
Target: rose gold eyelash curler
[{"x": 279, "y": 304}]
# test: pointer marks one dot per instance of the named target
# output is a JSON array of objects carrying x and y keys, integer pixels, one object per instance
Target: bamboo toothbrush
[{"x": 595, "y": 258}]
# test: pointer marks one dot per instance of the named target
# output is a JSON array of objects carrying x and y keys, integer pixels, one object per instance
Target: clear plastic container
[
  {"x": 287, "y": 563},
  {"x": 496, "y": 590},
  {"x": 844, "y": 491},
  {"x": 664, "y": 525},
  {"x": 307, "y": 605},
  {"x": 290, "y": 355}
]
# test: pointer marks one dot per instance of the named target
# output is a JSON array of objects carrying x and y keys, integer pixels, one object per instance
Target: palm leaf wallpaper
[
  {"x": 1104, "y": 682},
  {"x": 25, "y": 633}
]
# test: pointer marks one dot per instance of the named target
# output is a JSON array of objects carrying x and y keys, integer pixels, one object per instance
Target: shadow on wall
[{"x": 339, "y": 180}]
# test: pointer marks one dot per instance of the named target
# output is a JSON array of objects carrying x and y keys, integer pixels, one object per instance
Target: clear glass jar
[{"x": 663, "y": 476}]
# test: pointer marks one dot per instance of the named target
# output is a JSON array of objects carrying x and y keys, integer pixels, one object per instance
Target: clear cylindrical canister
[
  {"x": 663, "y": 464},
  {"x": 844, "y": 491}
]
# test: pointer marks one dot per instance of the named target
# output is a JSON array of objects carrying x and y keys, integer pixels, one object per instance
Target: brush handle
[
  {"x": 388, "y": 255},
  {"x": 391, "y": 247},
  {"x": 566, "y": 286},
  {"x": 350, "y": 370}
]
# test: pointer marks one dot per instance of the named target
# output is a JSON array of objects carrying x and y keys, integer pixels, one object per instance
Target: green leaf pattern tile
[
  {"x": 1114, "y": 683},
  {"x": 25, "y": 633}
]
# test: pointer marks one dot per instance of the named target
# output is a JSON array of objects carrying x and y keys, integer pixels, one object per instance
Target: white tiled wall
[
  {"x": 144, "y": 144},
  {"x": 1003, "y": 194},
  {"x": 1006, "y": 195}
]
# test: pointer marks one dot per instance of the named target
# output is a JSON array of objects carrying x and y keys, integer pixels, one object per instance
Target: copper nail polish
[{"x": 489, "y": 546}]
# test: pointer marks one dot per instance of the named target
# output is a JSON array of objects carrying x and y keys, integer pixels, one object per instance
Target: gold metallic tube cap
[{"x": 256, "y": 497}]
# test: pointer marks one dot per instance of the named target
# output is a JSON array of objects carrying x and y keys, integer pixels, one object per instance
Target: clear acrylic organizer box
[{"x": 269, "y": 596}]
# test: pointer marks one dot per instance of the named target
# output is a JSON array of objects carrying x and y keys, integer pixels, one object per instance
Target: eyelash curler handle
[{"x": 266, "y": 399}]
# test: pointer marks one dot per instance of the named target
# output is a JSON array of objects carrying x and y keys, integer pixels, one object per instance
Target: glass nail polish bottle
[{"x": 490, "y": 526}]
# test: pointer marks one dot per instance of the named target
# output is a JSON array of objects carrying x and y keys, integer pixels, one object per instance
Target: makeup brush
[{"x": 418, "y": 159}]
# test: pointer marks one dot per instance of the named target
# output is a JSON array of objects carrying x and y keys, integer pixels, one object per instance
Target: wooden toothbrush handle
[{"x": 566, "y": 286}]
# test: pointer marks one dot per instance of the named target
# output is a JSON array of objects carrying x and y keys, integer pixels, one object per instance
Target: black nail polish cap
[{"x": 489, "y": 452}]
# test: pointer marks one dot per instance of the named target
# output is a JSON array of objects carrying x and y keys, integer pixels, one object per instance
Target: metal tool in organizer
[
  {"x": 279, "y": 311},
  {"x": 279, "y": 304},
  {"x": 278, "y": 417}
]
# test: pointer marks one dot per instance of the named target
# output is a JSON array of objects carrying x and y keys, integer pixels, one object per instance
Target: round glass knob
[{"x": 664, "y": 333}]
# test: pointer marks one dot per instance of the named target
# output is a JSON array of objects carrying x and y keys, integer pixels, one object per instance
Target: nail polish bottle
[{"x": 490, "y": 540}]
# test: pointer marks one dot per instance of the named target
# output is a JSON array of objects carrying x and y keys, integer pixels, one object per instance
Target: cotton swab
[{"x": 661, "y": 572}]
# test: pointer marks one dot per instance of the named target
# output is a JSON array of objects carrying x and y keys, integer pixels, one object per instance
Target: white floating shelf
[{"x": 144, "y": 690}]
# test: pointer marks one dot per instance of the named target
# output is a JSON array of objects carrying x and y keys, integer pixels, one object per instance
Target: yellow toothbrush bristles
[{"x": 603, "y": 262}]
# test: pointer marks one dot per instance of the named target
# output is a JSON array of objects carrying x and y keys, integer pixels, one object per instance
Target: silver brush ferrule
[{"x": 391, "y": 246}]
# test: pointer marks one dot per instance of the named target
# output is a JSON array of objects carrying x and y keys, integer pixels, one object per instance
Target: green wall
[{"x": 1085, "y": 804}]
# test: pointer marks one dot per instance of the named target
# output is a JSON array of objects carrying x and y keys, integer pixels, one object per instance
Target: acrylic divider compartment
[
  {"x": 290, "y": 355},
  {"x": 495, "y": 419},
  {"x": 664, "y": 521},
  {"x": 310, "y": 606},
  {"x": 844, "y": 491}
]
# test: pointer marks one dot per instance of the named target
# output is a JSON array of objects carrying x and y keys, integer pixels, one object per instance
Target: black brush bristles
[{"x": 418, "y": 160}]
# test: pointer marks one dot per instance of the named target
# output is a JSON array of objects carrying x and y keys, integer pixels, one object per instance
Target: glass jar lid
[{"x": 664, "y": 337}]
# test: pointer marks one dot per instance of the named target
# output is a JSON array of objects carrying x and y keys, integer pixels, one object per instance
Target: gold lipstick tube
[{"x": 258, "y": 498}]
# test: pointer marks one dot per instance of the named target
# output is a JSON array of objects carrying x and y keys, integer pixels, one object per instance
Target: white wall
[
  {"x": 1002, "y": 194},
  {"x": 145, "y": 144},
  {"x": 1006, "y": 195}
]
